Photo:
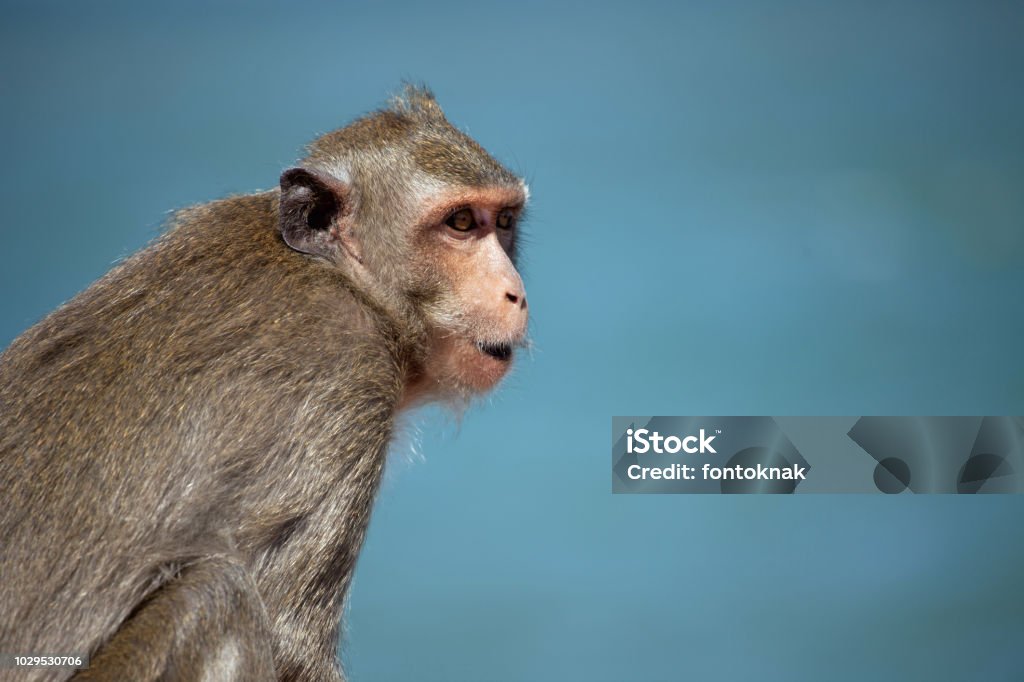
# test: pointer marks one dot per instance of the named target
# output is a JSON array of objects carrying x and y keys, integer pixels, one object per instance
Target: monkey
[{"x": 191, "y": 447}]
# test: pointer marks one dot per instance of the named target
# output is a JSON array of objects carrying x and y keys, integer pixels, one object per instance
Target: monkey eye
[
  {"x": 461, "y": 220},
  {"x": 505, "y": 218}
]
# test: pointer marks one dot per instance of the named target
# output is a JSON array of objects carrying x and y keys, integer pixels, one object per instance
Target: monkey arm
[
  {"x": 303, "y": 562},
  {"x": 206, "y": 623}
]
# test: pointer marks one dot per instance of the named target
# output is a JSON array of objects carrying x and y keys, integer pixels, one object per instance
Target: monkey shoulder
[{"x": 219, "y": 300}]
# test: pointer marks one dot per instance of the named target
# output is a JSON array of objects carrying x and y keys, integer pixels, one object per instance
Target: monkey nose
[{"x": 516, "y": 298}]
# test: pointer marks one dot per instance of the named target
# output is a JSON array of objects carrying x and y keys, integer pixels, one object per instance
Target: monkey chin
[
  {"x": 458, "y": 370},
  {"x": 478, "y": 366}
]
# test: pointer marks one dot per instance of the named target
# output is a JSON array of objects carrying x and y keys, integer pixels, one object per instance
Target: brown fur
[{"x": 189, "y": 449}]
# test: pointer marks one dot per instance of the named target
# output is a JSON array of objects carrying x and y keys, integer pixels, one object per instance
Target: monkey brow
[{"x": 461, "y": 162}]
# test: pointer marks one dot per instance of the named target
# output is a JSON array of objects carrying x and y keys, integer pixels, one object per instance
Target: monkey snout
[
  {"x": 515, "y": 292},
  {"x": 516, "y": 314}
]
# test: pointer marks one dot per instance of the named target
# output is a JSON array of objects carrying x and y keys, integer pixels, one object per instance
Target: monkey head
[{"x": 423, "y": 222}]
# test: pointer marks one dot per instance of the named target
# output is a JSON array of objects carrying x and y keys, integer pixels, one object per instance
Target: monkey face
[{"x": 479, "y": 318}]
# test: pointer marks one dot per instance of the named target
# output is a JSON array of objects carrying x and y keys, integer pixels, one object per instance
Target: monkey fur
[{"x": 190, "y": 448}]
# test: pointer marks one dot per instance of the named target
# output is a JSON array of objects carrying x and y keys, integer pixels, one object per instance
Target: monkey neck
[{"x": 416, "y": 389}]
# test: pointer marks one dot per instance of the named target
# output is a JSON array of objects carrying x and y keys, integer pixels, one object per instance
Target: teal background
[{"x": 738, "y": 208}]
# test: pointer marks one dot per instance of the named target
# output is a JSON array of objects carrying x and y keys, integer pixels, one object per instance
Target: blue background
[{"x": 739, "y": 208}]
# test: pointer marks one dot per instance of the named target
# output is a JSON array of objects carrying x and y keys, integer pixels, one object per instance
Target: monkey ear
[{"x": 313, "y": 208}]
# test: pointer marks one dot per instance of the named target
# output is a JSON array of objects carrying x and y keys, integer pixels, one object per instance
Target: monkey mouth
[{"x": 498, "y": 351}]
